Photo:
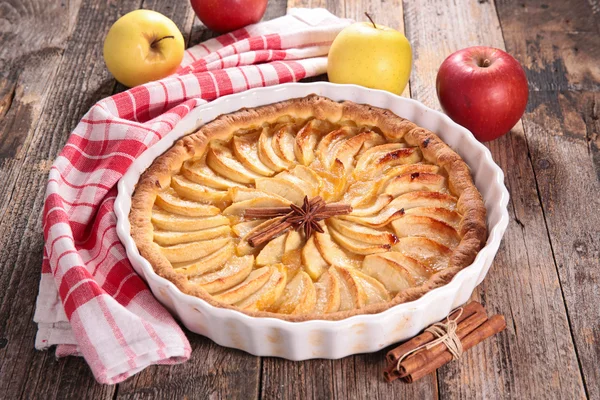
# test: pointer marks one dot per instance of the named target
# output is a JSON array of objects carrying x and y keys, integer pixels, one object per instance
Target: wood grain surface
[{"x": 545, "y": 278}]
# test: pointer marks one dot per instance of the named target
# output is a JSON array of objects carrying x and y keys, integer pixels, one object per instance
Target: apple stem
[
  {"x": 371, "y": 19},
  {"x": 154, "y": 43},
  {"x": 486, "y": 63}
]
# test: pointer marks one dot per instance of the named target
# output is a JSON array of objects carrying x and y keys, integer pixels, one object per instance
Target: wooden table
[{"x": 546, "y": 276}]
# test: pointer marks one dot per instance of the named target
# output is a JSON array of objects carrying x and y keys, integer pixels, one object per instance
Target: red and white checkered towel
[{"x": 91, "y": 302}]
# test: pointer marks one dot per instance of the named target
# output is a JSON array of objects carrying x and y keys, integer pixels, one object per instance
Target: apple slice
[
  {"x": 283, "y": 188},
  {"x": 375, "y": 291},
  {"x": 251, "y": 284},
  {"x": 307, "y": 138},
  {"x": 272, "y": 252},
  {"x": 373, "y": 208},
  {"x": 332, "y": 253},
  {"x": 293, "y": 241},
  {"x": 419, "y": 271},
  {"x": 451, "y": 218},
  {"x": 373, "y": 155},
  {"x": 245, "y": 149},
  {"x": 283, "y": 143},
  {"x": 193, "y": 191},
  {"x": 221, "y": 160},
  {"x": 314, "y": 264},
  {"x": 390, "y": 273},
  {"x": 400, "y": 204},
  {"x": 326, "y": 149},
  {"x": 235, "y": 271},
  {"x": 352, "y": 295},
  {"x": 362, "y": 193},
  {"x": 291, "y": 263},
  {"x": 243, "y": 247},
  {"x": 334, "y": 181},
  {"x": 413, "y": 225},
  {"x": 266, "y": 153},
  {"x": 328, "y": 293},
  {"x": 268, "y": 294},
  {"x": 241, "y": 206},
  {"x": 363, "y": 233},
  {"x": 243, "y": 228},
  {"x": 209, "y": 263},
  {"x": 308, "y": 188},
  {"x": 171, "y": 222},
  {"x": 430, "y": 253},
  {"x": 381, "y": 158},
  {"x": 242, "y": 193},
  {"x": 168, "y": 238},
  {"x": 169, "y": 201},
  {"x": 299, "y": 296},
  {"x": 416, "y": 181},
  {"x": 308, "y": 175},
  {"x": 349, "y": 148},
  {"x": 197, "y": 171},
  {"x": 357, "y": 246},
  {"x": 193, "y": 250}
]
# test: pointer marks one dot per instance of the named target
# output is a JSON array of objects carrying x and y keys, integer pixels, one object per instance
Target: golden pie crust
[{"x": 468, "y": 212}]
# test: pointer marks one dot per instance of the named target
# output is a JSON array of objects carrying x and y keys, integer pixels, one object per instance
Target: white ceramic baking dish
[{"x": 324, "y": 339}]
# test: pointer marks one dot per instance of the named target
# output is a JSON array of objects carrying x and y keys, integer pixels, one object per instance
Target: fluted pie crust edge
[{"x": 472, "y": 229}]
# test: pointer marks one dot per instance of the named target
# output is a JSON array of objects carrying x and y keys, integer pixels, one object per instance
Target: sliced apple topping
[
  {"x": 268, "y": 294},
  {"x": 238, "y": 194},
  {"x": 245, "y": 148},
  {"x": 326, "y": 149},
  {"x": 377, "y": 155},
  {"x": 390, "y": 273},
  {"x": 243, "y": 228},
  {"x": 374, "y": 290},
  {"x": 243, "y": 248},
  {"x": 451, "y": 218},
  {"x": 349, "y": 148},
  {"x": 283, "y": 188},
  {"x": 412, "y": 225},
  {"x": 308, "y": 175},
  {"x": 374, "y": 207},
  {"x": 283, "y": 144},
  {"x": 352, "y": 295},
  {"x": 357, "y": 246},
  {"x": 415, "y": 181},
  {"x": 190, "y": 190},
  {"x": 333, "y": 182},
  {"x": 308, "y": 188},
  {"x": 299, "y": 296},
  {"x": 332, "y": 253},
  {"x": 307, "y": 139},
  {"x": 209, "y": 263},
  {"x": 193, "y": 250},
  {"x": 430, "y": 253},
  {"x": 272, "y": 252},
  {"x": 239, "y": 207},
  {"x": 314, "y": 263},
  {"x": 197, "y": 171},
  {"x": 169, "y": 201},
  {"x": 251, "y": 284},
  {"x": 221, "y": 160},
  {"x": 266, "y": 153},
  {"x": 169, "y": 238},
  {"x": 362, "y": 233},
  {"x": 328, "y": 293},
  {"x": 235, "y": 271},
  {"x": 173, "y": 222}
]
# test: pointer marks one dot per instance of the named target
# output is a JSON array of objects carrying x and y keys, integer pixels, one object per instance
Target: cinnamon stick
[
  {"x": 272, "y": 231},
  {"x": 494, "y": 325},
  {"x": 266, "y": 212},
  {"x": 423, "y": 357},
  {"x": 395, "y": 354}
]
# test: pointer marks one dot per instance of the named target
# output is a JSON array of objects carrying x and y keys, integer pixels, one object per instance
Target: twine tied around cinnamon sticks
[{"x": 442, "y": 342}]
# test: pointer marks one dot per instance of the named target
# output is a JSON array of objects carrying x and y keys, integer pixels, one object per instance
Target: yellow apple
[
  {"x": 143, "y": 46},
  {"x": 370, "y": 55}
]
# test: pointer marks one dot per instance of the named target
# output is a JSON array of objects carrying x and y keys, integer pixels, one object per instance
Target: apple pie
[{"x": 308, "y": 209}]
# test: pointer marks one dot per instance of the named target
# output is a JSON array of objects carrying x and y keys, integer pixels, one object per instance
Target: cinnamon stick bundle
[{"x": 473, "y": 327}]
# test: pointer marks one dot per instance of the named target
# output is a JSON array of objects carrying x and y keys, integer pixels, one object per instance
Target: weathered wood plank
[
  {"x": 562, "y": 62},
  {"x": 48, "y": 101},
  {"x": 535, "y": 357},
  {"x": 357, "y": 376}
]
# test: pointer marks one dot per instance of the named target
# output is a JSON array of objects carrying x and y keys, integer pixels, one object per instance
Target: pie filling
[{"x": 402, "y": 229}]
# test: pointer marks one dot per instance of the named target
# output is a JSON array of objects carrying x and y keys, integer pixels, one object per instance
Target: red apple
[
  {"x": 228, "y": 15},
  {"x": 483, "y": 89}
]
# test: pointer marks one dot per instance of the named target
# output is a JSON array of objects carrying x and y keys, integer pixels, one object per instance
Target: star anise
[{"x": 306, "y": 217}]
